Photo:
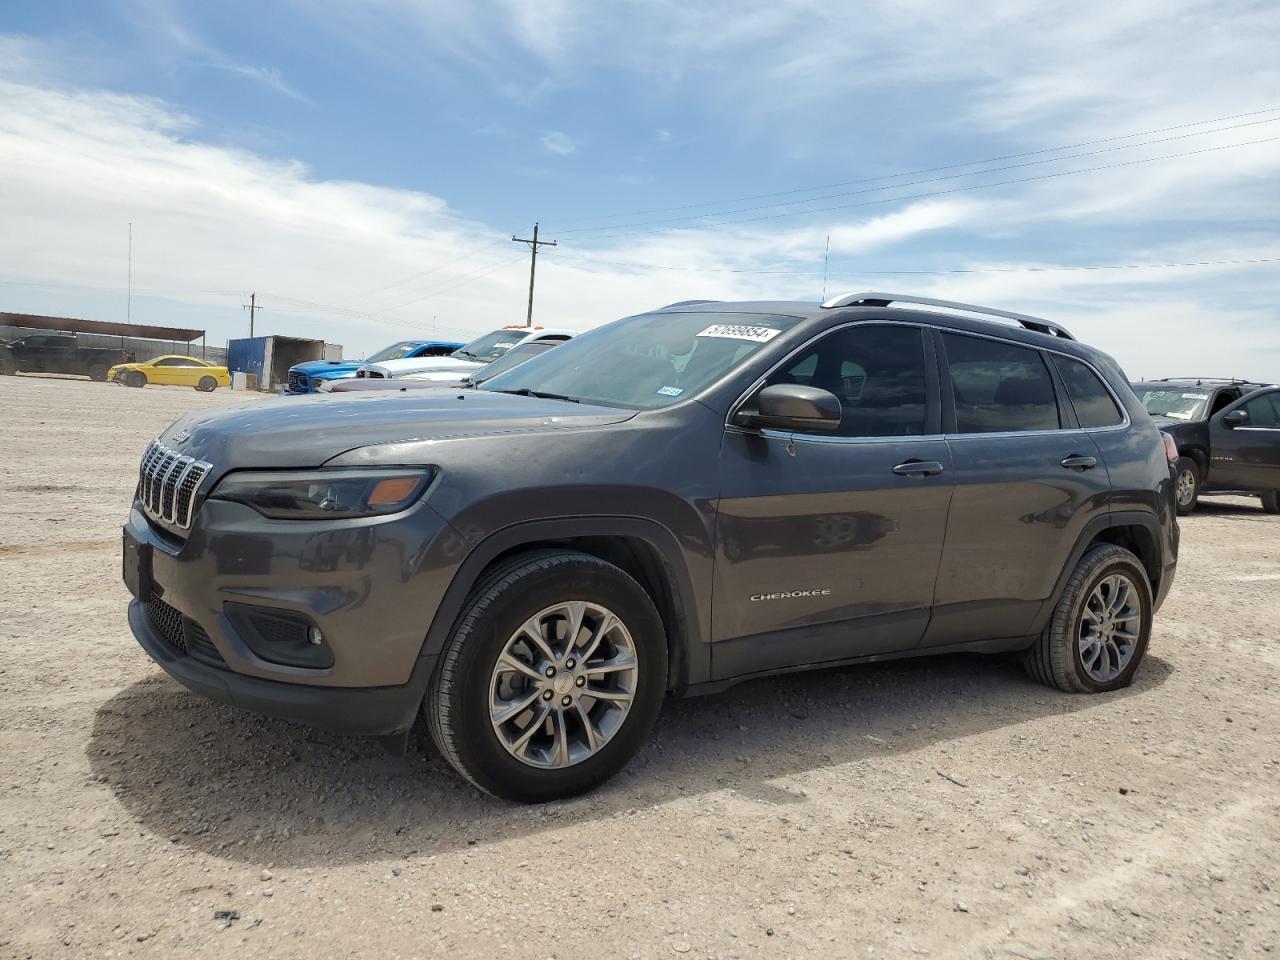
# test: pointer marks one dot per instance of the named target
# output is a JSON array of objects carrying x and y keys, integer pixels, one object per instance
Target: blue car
[{"x": 307, "y": 377}]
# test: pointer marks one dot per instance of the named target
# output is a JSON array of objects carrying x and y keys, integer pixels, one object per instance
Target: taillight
[{"x": 1170, "y": 447}]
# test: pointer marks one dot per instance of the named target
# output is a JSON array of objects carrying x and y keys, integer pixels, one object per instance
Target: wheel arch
[
  {"x": 1135, "y": 531},
  {"x": 644, "y": 549}
]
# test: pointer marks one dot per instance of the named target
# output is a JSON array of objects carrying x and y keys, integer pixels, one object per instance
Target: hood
[
  {"x": 398, "y": 368},
  {"x": 310, "y": 430},
  {"x": 328, "y": 369},
  {"x": 1170, "y": 424}
]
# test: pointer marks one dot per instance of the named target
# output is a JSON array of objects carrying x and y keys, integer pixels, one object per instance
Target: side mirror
[
  {"x": 792, "y": 406},
  {"x": 1236, "y": 418}
]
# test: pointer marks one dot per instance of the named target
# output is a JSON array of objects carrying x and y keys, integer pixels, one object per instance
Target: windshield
[
  {"x": 1180, "y": 403},
  {"x": 647, "y": 361},
  {"x": 489, "y": 347},
  {"x": 395, "y": 351},
  {"x": 512, "y": 358}
]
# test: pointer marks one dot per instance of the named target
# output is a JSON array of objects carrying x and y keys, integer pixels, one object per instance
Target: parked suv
[
  {"x": 58, "y": 353},
  {"x": 670, "y": 503},
  {"x": 1226, "y": 443}
]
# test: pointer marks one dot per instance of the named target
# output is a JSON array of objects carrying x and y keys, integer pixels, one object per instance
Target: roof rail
[
  {"x": 686, "y": 303},
  {"x": 1204, "y": 379},
  {"x": 871, "y": 299}
]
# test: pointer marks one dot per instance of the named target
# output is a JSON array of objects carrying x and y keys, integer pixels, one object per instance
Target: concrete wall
[{"x": 142, "y": 349}]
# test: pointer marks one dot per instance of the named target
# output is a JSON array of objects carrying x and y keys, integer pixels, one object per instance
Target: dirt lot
[{"x": 944, "y": 807}]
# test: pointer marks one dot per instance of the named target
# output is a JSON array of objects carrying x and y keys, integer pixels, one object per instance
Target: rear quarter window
[{"x": 1091, "y": 400}]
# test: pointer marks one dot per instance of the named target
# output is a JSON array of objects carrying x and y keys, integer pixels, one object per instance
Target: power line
[
  {"x": 912, "y": 173},
  {"x": 1052, "y": 268},
  {"x": 914, "y": 183},
  {"x": 942, "y": 193},
  {"x": 378, "y": 291}
]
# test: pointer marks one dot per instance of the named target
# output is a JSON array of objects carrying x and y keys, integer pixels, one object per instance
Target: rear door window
[
  {"x": 1092, "y": 402},
  {"x": 999, "y": 387}
]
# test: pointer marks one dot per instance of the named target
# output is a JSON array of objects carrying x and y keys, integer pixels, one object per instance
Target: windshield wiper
[
  {"x": 541, "y": 395},
  {"x": 465, "y": 353}
]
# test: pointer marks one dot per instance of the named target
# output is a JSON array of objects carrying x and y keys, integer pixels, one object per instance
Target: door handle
[
  {"x": 1075, "y": 462},
  {"x": 918, "y": 468}
]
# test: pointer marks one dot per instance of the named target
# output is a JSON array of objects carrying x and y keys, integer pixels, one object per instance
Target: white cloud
[
  {"x": 561, "y": 144},
  {"x": 662, "y": 136}
]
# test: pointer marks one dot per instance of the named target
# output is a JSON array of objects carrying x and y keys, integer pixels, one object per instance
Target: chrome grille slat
[{"x": 168, "y": 481}]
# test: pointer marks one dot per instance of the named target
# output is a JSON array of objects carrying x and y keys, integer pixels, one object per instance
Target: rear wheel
[
  {"x": 135, "y": 378},
  {"x": 207, "y": 385},
  {"x": 1100, "y": 628},
  {"x": 98, "y": 371},
  {"x": 552, "y": 679},
  {"x": 1187, "y": 489},
  {"x": 1271, "y": 501}
]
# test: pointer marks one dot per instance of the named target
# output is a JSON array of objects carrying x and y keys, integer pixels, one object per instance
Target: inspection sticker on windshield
[
  {"x": 735, "y": 331},
  {"x": 670, "y": 391}
]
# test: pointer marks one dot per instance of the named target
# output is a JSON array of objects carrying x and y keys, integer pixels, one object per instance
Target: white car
[{"x": 472, "y": 356}]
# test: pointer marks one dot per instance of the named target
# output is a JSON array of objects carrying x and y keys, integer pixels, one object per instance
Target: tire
[
  {"x": 98, "y": 371},
  {"x": 1186, "y": 487},
  {"x": 458, "y": 701},
  {"x": 207, "y": 385},
  {"x": 1270, "y": 501},
  {"x": 135, "y": 378},
  {"x": 1059, "y": 658}
]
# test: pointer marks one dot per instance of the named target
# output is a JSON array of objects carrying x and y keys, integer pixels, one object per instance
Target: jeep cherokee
[{"x": 670, "y": 503}]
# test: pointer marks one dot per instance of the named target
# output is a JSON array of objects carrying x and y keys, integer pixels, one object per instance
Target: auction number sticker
[
  {"x": 734, "y": 331},
  {"x": 1195, "y": 396},
  {"x": 670, "y": 391}
]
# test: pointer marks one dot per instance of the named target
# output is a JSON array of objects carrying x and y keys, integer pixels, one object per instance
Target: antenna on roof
[{"x": 826, "y": 259}]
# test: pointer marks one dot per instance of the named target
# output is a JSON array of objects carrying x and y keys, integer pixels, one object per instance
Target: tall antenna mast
[
  {"x": 128, "y": 301},
  {"x": 826, "y": 259}
]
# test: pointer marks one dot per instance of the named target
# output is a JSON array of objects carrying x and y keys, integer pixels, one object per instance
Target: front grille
[
  {"x": 299, "y": 382},
  {"x": 181, "y": 634},
  {"x": 167, "y": 483}
]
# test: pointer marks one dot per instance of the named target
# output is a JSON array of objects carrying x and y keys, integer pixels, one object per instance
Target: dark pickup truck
[{"x": 58, "y": 353}]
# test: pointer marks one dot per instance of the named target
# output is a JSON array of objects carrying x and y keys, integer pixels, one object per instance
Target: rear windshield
[
  {"x": 1179, "y": 403},
  {"x": 647, "y": 361}
]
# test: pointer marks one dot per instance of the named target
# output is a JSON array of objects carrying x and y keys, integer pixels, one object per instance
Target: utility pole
[
  {"x": 534, "y": 244},
  {"x": 253, "y": 308}
]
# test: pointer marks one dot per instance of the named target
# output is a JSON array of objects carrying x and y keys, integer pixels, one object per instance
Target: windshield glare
[
  {"x": 489, "y": 347},
  {"x": 394, "y": 352},
  {"x": 1179, "y": 403},
  {"x": 647, "y": 361}
]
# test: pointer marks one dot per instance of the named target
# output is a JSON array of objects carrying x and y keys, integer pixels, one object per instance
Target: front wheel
[
  {"x": 1187, "y": 489},
  {"x": 98, "y": 372},
  {"x": 552, "y": 680},
  {"x": 1270, "y": 501},
  {"x": 1099, "y": 630},
  {"x": 135, "y": 378},
  {"x": 207, "y": 385}
]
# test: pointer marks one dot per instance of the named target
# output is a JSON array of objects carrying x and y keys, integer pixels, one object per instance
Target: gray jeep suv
[{"x": 670, "y": 503}]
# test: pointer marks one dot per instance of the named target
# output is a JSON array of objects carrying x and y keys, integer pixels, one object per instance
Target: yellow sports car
[{"x": 178, "y": 371}]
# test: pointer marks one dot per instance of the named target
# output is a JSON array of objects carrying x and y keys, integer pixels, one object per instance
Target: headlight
[{"x": 325, "y": 494}]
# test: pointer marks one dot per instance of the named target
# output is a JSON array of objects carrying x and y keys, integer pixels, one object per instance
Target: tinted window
[
  {"x": 876, "y": 372},
  {"x": 1093, "y": 405},
  {"x": 1264, "y": 411},
  {"x": 999, "y": 388}
]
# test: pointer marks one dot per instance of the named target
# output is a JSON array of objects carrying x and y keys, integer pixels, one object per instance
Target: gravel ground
[{"x": 944, "y": 807}]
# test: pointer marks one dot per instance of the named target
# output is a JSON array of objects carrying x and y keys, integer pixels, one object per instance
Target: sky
[{"x": 363, "y": 164}]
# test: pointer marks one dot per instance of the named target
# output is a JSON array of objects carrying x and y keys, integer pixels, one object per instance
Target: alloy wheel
[
  {"x": 563, "y": 684},
  {"x": 1186, "y": 487},
  {"x": 1109, "y": 627}
]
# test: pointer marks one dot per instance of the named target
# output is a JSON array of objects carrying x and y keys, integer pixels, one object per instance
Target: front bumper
[{"x": 371, "y": 586}]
